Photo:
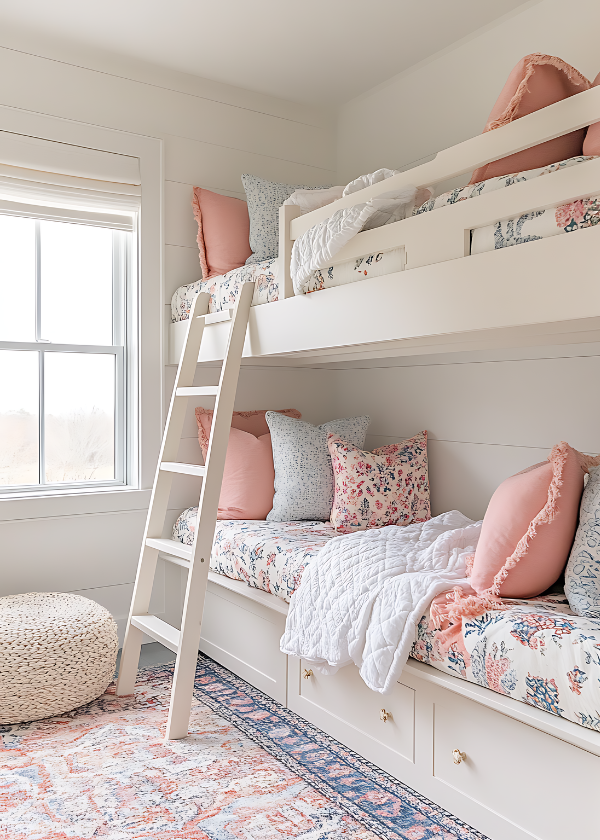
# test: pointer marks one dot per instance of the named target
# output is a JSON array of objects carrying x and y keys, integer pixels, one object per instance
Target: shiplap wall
[
  {"x": 212, "y": 134},
  {"x": 488, "y": 415},
  {"x": 447, "y": 98}
]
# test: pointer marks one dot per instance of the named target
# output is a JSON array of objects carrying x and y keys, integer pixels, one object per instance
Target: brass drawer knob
[
  {"x": 384, "y": 716},
  {"x": 458, "y": 756},
  {"x": 307, "y": 673}
]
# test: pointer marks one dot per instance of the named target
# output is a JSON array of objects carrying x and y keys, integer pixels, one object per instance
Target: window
[{"x": 64, "y": 297}]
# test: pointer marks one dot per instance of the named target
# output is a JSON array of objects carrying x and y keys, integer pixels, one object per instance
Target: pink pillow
[
  {"x": 223, "y": 232},
  {"x": 591, "y": 144},
  {"x": 248, "y": 480},
  {"x": 537, "y": 81},
  {"x": 529, "y": 527},
  {"x": 388, "y": 486}
]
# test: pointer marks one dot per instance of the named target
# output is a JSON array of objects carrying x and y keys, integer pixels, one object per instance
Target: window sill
[{"x": 73, "y": 503}]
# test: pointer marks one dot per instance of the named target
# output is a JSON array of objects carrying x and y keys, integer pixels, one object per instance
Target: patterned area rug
[{"x": 250, "y": 770}]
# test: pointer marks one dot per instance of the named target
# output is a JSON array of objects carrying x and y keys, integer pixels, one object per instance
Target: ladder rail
[
  {"x": 159, "y": 498},
  {"x": 193, "y": 607},
  {"x": 196, "y": 558}
]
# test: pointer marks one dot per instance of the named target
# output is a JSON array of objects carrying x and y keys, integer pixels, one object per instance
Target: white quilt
[
  {"x": 361, "y": 598},
  {"x": 316, "y": 248}
]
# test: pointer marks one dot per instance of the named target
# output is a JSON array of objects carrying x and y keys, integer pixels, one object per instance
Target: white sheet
[{"x": 362, "y": 597}]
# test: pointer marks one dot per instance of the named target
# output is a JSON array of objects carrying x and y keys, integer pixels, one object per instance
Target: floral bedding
[
  {"x": 225, "y": 289},
  {"x": 527, "y": 227},
  {"x": 266, "y": 555},
  {"x": 537, "y": 651}
]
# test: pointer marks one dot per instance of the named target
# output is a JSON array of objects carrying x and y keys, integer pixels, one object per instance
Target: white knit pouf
[{"x": 57, "y": 652}]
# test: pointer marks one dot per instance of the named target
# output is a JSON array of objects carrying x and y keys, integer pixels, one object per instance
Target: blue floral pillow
[
  {"x": 582, "y": 575},
  {"x": 303, "y": 471},
  {"x": 264, "y": 200}
]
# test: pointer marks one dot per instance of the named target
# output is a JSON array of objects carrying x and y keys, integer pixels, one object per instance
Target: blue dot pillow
[
  {"x": 303, "y": 470},
  {"x": 264, "y": 200},
  {"x": 582, "y": 575}
]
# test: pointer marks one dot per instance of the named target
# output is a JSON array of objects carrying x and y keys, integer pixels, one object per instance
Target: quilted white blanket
[
  {"x": 361, "y": 598},
  {"x": 317, "y": 247}
]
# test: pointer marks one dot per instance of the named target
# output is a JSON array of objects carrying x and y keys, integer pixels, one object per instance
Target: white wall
[
  {"x": 212, "y": 133},
  {"x": 488, "y": 415},
  {"x": 448, "y": 98}
]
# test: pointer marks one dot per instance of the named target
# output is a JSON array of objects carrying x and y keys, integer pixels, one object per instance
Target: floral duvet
[{"x": 537, "y": 651}]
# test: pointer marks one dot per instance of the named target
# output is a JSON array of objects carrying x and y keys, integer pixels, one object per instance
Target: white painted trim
[{"x": 146, "y": 368}]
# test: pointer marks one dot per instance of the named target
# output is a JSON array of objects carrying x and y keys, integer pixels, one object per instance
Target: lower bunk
[{"x": 498, "y": 728}]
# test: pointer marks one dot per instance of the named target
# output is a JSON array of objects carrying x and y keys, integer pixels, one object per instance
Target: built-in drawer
[
  {"x": 244, "y": 636},
  {"x": 542, "y": 784},
  {"x": 381, "y": 728}
]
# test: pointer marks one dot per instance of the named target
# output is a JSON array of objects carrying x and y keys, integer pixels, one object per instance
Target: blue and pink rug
[{"x": 250, "y": 770}]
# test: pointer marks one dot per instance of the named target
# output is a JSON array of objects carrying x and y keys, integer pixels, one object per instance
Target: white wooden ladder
[{"x": 195, "y": 558}]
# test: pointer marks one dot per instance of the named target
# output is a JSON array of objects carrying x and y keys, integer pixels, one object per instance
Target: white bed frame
[
  {"x": 513, "y": 296},
  {"x": 521, "y": 772}
]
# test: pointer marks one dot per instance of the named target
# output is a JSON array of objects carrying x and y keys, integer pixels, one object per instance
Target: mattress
[
  {"x": 539, "y": 224},
  {"x": 266, "y": 555},
  {"x": 224, "y": 290},
  {"x": 536, "y": 651}
]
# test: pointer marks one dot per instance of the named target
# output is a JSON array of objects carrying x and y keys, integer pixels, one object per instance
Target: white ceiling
[{"x": 316, "y": 51}]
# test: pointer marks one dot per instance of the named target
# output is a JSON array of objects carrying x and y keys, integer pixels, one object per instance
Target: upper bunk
[{"x": 446, "y": 299}]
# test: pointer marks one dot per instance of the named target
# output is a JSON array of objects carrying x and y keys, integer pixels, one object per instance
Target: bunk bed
[
  {"x": 496, "y": 762},
  {"x": 474, "y": 301}
]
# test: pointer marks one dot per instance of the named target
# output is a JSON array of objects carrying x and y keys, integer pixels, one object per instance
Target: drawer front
[
  {"x": 244, "y": 637},
  {"x": 379, "y": 727},
  {"x": 540, "y": 783}
]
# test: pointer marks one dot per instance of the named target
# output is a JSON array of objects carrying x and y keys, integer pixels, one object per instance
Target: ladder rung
[
  {"x": 158, "y": 629},
  {"x": 217, "y": 317},
  {"x": 183, "y": 469},
  {"x": 204, "y": 391},
  {"x": 172, "y": 547}
]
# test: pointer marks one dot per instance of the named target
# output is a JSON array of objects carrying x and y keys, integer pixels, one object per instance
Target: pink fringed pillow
[
  {"x": 223, "y": 232},
  {"x": 537, "y": 81},
  {"x": 591, "y": 144},
  {"x": 529, "y": 527},
  {"x": 388, "y": 486},
  {"x": 249, "y": 477}
]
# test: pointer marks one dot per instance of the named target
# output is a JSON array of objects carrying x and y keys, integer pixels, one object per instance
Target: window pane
[
  {"x": 19, "y": 417},
  {"x": 17, "y": 279},
  {"x": 80, "y": 417},
  {"x": 76, "y": 268}
]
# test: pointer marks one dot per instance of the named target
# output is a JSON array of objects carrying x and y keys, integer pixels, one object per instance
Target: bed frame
[
  {"x": 506, "y": 768},
  {"x": 513, "y": 296}
]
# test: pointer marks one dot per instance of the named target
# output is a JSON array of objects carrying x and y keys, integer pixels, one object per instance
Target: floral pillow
[{"x": 389, "y": 486}]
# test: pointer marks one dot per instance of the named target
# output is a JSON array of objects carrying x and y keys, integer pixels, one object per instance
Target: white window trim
[{"x": 146, "y": 355}]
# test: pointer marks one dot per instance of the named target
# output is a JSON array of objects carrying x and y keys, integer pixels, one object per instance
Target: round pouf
[{"x": 57, "y": 652}]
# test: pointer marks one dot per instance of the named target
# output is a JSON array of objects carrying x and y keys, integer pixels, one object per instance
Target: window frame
[
  {"x": 145, "y": 314},
  {"x": 121, "y": 303}
]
